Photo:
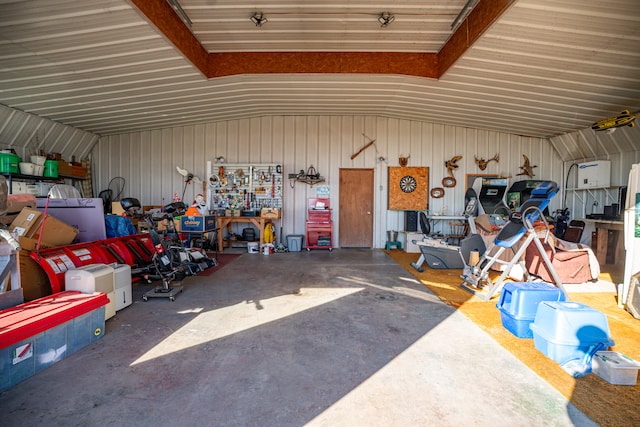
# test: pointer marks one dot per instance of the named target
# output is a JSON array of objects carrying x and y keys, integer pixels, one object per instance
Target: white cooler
[
  {"x": 122, "y": 277},
  {"x": 94, "y": 278}
]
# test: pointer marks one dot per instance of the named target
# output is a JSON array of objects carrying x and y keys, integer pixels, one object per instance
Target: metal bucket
[{"x": 392, "y": 236}]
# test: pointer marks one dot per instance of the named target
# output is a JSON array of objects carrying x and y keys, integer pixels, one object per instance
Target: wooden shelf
[{"x": 72, "y": 177}]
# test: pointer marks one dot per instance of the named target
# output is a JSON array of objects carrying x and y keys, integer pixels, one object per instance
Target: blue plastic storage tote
[
  {"x": 563, "y": 331},
  {"x": 519, "y": 302}
]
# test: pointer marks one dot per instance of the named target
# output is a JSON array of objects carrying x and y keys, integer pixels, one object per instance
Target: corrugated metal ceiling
[
  {"x": 543, "y": 68},
  {"x": 419, "y": 26}
]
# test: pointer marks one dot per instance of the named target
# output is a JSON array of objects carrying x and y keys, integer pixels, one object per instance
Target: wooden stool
[{"x": 389, "y": 245}]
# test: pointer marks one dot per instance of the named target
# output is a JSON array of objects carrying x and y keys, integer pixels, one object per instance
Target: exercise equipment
[
  {"x": 439, "y": 254},
  {"x": 476, "y": 278},
  {"x": 491, "y": 196}
]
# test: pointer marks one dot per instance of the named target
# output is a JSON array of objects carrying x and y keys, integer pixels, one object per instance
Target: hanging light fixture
[
  {"x": 259, "y": 19},
  {"x": 385, "y": 19}
]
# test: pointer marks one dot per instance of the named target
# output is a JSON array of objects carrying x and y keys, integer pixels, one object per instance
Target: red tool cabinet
[{"x": 319, "y": 225}]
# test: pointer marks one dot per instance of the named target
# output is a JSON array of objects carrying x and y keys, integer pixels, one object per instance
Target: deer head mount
[
  {"x": 482, "y": 163},
  {"x": 404, "y": 161}
]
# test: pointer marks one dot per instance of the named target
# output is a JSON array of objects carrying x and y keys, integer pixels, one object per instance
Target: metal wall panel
[
  {"x": 621, "y": 147},
  {"x": 148, "y": 159},
  {"x": 27, "y": 134},
  {"x": 587, "y": 144}
]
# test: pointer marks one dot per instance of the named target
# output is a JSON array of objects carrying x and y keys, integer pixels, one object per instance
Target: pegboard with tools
[{"x": 244, "y": 187}]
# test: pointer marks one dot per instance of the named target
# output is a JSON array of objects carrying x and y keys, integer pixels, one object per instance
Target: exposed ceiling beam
[
  {"x": 416, "y": 64},
  {"x": 166, "y": 20}
]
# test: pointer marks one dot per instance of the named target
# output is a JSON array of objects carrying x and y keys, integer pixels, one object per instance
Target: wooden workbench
[
  {"x": 609, "y": 247},
  {"x": 223, "y": 222}
]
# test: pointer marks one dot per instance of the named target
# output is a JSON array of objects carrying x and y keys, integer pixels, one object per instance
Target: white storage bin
[
  {"x": 411, "y": 247},
  {"x": 123, "y": 288},
  {"x": 93, "y": 278},
  {"x": 615, "y": 368}
]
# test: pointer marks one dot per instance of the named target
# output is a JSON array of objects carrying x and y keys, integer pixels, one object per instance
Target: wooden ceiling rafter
[{"x": 430, "y": 65}]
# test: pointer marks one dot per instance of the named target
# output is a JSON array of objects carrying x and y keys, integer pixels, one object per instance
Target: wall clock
[
  {"x": 408, "y": 188},
  {"x": 408, "y": 184}
]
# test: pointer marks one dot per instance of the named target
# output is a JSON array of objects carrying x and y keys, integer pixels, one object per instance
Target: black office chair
[{"x": 425, "y": 225}]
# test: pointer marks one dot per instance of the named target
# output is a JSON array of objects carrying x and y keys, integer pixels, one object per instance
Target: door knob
[{"x": 368, "y": 213}]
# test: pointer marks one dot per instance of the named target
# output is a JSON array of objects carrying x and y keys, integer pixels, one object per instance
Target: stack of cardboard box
[
  {"x": 33, "y": 233},
  {"x": 15, "y": 204}
]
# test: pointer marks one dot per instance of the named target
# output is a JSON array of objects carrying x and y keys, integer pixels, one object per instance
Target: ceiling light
[
  {"x": 258, "y": 19},
  {"x": 385, "y": 19}
]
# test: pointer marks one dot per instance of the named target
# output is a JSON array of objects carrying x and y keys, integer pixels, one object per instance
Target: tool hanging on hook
[{"x": 369, "y": 144}]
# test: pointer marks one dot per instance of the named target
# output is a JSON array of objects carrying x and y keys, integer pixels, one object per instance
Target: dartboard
[{"x": 408, "y": 184}]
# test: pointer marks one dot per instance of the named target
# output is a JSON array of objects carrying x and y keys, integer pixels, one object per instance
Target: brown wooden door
[{"x": 356, "y": 208}]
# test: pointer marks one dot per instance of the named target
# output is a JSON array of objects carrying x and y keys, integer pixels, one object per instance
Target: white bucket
[
  {"x": 267, "y": 249},
  {"x": 38, "y": 160},
  {"x": 252, "y": 247},
  {"x": 26, "y": 168}
]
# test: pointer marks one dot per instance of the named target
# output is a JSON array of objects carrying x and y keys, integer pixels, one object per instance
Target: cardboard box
[
  {"x": 55, "y": 232},
  {"x": 116, "y": 209},
  {"x": 33, "y": 280},
  {"x": 26, "y": 222},
  {"x": 31, "y": 244},
  {"x": 270, "y": 213},
  {"x": 15, "y": 204},
  {"x": 198, "y": 224}
]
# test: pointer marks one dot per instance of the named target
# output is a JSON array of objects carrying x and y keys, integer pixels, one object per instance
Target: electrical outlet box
[{"x": 596, "y": 174}]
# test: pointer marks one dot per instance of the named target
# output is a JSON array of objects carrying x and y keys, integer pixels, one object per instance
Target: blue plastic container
[
  {"x": 294, "y": 243},
  {"x": 563, "y": 331},
  {"x": 39, "y": 333},
  {"x": 519, "y": 302}
]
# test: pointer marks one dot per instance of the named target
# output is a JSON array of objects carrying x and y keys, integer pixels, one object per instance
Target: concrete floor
[{"x": 342, "y": 338}]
